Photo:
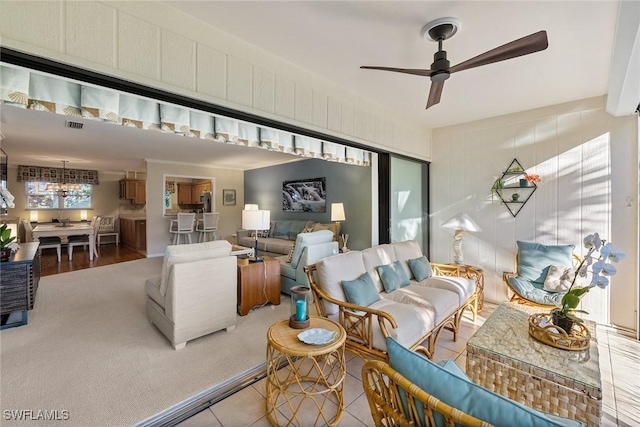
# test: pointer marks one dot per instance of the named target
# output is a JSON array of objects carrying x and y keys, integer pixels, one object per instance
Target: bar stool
[
  {"x": 185, "y": 225},
  {"x": 208, "y": 225}
]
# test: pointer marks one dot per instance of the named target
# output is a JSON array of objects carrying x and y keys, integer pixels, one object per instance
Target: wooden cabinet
[
  {"x": 19, "y": 282},
  {"x": 133, "y": 233},
  {"x": 201, "y": 188},
  {"x": 140, "y": 197},
  {"x": 185, "y": 193},
  {"x": 258, "y": 283},
  {"x": 134, "y": 190},
  {"x": 189, "y": 194}
]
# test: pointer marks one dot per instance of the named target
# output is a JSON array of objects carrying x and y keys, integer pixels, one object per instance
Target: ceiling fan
[{"x": 443, "y": 29}]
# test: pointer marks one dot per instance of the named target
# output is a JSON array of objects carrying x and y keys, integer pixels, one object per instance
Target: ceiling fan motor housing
[{"x": 440, "y": 66}]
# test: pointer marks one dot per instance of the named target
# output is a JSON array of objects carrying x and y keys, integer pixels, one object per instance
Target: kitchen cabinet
[
  {"x": 133, "y": 190},
  {"x": 185, "y": 194},
  {"x": 133, "y": 233},
  {"x": 140, "y": 197},
  {"x": 201, "y": 188}
]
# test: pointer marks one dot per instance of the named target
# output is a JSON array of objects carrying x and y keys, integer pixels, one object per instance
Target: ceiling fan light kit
[{"x": 444, "y": 28}]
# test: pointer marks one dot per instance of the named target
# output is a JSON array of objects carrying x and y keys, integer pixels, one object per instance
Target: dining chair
[
  {"x": 183, "y": 226},
  {"x": 84, "y": 240},
  {"x": 107, "y": 228},
  {"x": 208, "y": 225},
  {"x": 45, "y": 242}
]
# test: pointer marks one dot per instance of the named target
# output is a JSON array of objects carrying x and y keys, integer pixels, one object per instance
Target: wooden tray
[{"x": 542, "y": 329}]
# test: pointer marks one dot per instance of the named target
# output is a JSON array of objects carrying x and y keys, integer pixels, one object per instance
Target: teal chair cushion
[
  {"x": 534, "y": 292},
  {"x": 463, "y": 394},
  {"x": 534, "y": 259}
]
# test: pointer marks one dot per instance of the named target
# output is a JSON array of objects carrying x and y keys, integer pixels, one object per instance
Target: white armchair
[{"x": 196, "y": 294}]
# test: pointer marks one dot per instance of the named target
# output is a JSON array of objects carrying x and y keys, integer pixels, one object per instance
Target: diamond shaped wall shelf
[{"x": 516, "y": 191}]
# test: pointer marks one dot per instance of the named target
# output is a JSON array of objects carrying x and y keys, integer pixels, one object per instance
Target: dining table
[{"x": 74, "y": 229}]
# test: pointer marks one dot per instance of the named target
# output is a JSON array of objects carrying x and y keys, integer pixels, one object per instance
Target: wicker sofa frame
[
  {"x": 385, "y": 388},
  {"x": 359, "y": 321}
]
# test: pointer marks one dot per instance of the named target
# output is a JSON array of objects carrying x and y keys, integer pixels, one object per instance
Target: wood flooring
[{"x": 108, "y": 254}]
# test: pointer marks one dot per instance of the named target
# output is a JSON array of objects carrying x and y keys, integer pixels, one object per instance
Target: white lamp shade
[
  {"x": 462, "y": 221},
  {"x": 337, "y": 212},
  {"x": 14, "y": 231},
  {"x": 250, "y": 207},
  {"x": 256, "y": 220},
  {"x": 83, "y": 215},
  {"x": 33, "y": 216}
]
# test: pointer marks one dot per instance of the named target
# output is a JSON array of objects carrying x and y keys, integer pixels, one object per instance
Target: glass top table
[
  {"x": 506, "y": 333},
  {"x": 504, "y": 358}
]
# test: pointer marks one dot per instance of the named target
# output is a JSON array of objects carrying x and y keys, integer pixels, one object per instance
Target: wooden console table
[
  {"x": 258, "y": 283},
  {"x": 19, "y": 283}
]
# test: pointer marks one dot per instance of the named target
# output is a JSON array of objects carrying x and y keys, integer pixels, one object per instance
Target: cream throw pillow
[{"x": 558, "y": 279}]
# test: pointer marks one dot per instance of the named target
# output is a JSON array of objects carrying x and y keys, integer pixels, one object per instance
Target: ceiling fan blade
[
  {"x": 530, "y": 44},
  {"x": 434, "y": 93},
  {"x": 417, "y": 72}
]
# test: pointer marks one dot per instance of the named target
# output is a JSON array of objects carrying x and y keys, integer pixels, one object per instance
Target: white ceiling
[
  {"x": 107, "y": 147},
  {"x": 333, "y": 39}
]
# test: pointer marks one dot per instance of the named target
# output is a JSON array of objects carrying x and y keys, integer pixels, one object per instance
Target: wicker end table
[
  {"x": 308, "y": 389},
  {"x": 502, "y": 357}
]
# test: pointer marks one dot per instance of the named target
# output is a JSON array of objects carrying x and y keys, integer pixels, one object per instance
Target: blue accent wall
[{"x": 347, "y": 184}]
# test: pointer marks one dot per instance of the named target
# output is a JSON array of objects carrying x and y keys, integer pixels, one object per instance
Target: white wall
[
  {"x": 154, "y": 44},
  {"x": 588, "y": 162}
]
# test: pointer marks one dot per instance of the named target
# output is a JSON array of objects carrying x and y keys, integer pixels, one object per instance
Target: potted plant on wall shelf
[{"x": 496, "y": 189}]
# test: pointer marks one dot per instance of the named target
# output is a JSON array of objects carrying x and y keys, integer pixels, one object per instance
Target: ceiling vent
[{"x": 74, "y": 125}]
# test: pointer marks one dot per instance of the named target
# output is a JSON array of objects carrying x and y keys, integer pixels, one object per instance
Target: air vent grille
[{"x": 74, "y": 125}]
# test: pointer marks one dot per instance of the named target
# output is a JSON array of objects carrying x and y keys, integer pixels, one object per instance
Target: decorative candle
[
  {"x": 301, "y": 310},
  {"x": 33, "y": 216},
  {"x": 83, "y": 215}
]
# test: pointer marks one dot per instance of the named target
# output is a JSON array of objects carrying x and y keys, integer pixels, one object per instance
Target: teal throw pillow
[
  {"x": 393, "y": 276},
  {"x": 456, "y": 391},
  {"x": 360, "y": 291},
  {"x": 420, "y": 268},
  {"x": 282, "y": 229}
]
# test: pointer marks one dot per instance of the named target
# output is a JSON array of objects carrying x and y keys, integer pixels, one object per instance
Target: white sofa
[
  {"x": 196, "y": 293},
  {"x": 411, "y": 315}
]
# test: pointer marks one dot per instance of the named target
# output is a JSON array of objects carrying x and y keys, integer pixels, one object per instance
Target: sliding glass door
[{"x": 409, "y": 201}]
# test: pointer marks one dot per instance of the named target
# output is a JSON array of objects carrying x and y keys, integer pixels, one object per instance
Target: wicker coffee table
[
  {"x": 502, "y": 357},
  {"x": 308, "y": 390}
]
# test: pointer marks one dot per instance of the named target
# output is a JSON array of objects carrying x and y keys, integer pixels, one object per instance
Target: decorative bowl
[{"x": 317, "y": 336}]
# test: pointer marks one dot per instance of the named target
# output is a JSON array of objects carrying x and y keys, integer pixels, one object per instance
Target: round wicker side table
[{"x": 308, "y": 389}]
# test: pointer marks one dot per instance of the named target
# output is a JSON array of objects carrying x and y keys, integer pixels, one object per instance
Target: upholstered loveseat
[
  {"x": 356, "y": 289},
  {"x": 196, "y": 292},
  {"x": 281, "y": 236}
]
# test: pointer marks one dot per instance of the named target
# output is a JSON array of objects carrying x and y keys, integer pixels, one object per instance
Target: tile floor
[{"x": 619, "y": 364}]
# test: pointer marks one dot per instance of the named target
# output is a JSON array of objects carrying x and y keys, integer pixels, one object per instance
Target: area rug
[{"x": 90, "y": 356}]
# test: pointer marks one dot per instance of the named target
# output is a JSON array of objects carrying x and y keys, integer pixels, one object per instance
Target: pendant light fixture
[{"x": 64, "y": 189}]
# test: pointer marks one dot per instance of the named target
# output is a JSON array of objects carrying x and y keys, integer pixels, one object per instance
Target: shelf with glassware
[{"x": 514, "y": 188}]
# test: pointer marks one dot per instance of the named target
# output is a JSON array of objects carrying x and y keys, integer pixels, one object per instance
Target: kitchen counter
[{"x": 133, "y": 217}]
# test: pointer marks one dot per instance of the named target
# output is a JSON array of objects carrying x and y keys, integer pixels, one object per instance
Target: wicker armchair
[
  {"x": 532, "y": 263},
  {"x": 382, "y": 385}
]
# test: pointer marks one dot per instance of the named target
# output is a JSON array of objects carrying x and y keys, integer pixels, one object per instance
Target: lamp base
[
  {"x": 256, "y": 260},
  {"x": 295, "y": 324}
]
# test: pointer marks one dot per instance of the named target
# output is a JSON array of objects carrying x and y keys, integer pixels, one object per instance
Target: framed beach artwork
[
  {"x": 307, "y": 195},
  {"x": 228, "y": 197}
]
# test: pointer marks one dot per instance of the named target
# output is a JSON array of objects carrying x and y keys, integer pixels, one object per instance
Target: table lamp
[
  {"x": 460, "y": 222},
  {"x": 337, "y": 215},
  {"x": 255, "y": 220}
]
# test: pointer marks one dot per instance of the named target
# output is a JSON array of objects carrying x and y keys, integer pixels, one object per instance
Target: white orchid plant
[
  {"x": 7, "y": 197},
  {"x": 600, "y": 257}
]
